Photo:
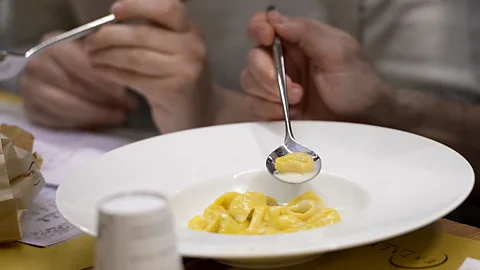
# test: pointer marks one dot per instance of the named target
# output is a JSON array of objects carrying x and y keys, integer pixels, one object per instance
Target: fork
[{"x": 12, "y": 64}]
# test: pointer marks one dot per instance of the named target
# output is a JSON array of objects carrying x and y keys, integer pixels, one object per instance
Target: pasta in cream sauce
[{"x": 253, "y": 213}]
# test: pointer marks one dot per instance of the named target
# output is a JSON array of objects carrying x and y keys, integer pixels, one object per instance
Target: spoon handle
[
  {"x": 72, "y": 34},
  {"x": 282, "y": 85}
]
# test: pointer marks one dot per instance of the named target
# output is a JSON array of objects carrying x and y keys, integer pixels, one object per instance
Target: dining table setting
[
  {"x": 293, "y": 195},
  {"x": 385, "y": 218},
  {"x": 362, "y": 188},
  {"x": 427, "y": 240}
]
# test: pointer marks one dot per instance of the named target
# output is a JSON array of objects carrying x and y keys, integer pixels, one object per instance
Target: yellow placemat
[
  {"x": 422, "y": 249},
  {"x": 75, "y": 254},
  {"x": 9, "y": 97}
]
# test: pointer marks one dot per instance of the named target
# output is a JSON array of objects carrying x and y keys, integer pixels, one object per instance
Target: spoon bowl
[{"x": 292, "y": 146}]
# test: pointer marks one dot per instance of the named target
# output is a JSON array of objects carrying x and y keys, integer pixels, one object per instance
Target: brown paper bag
[{"x": 20, "y": 179}]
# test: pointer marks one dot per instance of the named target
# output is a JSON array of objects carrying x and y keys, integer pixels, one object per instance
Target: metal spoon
[
  {"x": 290, "y": 144},
  {"x": 11, "y": 64}
]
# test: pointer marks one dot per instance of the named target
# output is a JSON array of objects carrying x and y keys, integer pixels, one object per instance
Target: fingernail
[
  {"x": 277, "y": 18},
  {"x": 296, "y": 94},
  {"x": 117, "y": 6},
  {"x": 260, "y": 34},
  {"x": 267, "y": 36}
]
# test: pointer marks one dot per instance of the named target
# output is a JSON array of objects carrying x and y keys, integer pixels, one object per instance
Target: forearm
[
  {"x": 452, "y": 123},
  {"x": 449, "y": 122}
]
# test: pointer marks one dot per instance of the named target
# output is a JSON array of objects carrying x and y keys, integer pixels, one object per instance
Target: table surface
[{"x": 442, "y": 225}]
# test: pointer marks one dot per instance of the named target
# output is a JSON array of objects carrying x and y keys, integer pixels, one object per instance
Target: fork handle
[{"x": 75, "y": 33}]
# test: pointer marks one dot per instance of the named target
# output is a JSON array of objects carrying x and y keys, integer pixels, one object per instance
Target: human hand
[
  {"x": 163, "y": 58},
  {"x": 61, "y": 89},
  {"x": 328, "y": 76}
]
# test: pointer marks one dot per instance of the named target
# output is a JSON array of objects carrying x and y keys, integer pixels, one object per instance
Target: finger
[
  {"x": 87, "y": 92},
  {"x": 260, "y": 31},
  {"x": 267, "y": 110},
  {"x": 148, "y": 86},
  {"x": 45, "y": 70},
  {"x": 130, "y": 79},
  {"x": 327, "y": 46},
  {"x": 250, "y": 84},
  {"x": 134, "y": 60},
  {"x": 38, "y": 115},
  {"x": 70, "y": 107},
  {"x": 44, "y": 118},
  {"x": 262, "y": 69},
  {"x": 167, "y": 13},
  {"x": 73, "y": 60},
  {"x": 261, "y": 66},
  {"x": 140, "y": 36},
  {"x": 254, "y": 88}
]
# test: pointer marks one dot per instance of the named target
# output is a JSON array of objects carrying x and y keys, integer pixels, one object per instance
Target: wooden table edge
[{"x": 455, "y": 228}]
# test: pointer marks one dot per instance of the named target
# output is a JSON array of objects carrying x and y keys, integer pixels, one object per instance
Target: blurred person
[
  {"x": 83, "y": 84},
  {"x": 330, "y": 77},
  {"x": 412, "y": 44},
  {"x": 85, "y": 97}
]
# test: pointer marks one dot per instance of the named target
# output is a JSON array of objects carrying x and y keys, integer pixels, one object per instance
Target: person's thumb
[
  {"x": 259, "y": 30},
  {"x": 325, "y": 45}
]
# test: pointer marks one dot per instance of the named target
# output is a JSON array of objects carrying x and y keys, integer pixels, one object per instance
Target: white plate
[{"x": 384, "y": 183}]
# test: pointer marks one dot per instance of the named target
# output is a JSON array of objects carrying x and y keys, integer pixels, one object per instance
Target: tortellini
[
  {"x": 254, "y": 213},
  {"x": 296, "y": 162}
]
